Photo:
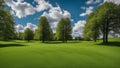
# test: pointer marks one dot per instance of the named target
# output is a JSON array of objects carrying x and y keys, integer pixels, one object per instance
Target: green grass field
[{"x": 74, "y": 54}]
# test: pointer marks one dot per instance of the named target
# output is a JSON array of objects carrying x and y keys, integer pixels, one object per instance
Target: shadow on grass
[
  {"x": 110, "y": 44},
  {"x": 55, "y": 42},
  {"x": 10, "y": 45}
]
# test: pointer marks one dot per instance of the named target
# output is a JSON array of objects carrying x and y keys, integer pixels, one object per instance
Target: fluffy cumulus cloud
[
  {"x": 78, "y": 28},
  {"x": 93, "y": 1},
  {"x": 21, "y": 28},
  {"x": 114, "y": 1},
  {"x": 88, "y": 11},
  {"x": 42, "y": 5},
  {"x": 31, "y": 26},
  {"x": 54, "y": 15},
  {"x": 22, "y": 8}
]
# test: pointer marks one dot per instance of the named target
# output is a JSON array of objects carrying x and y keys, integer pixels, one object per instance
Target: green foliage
[
  {"x": 2, "y": 4},
  {"x": 28, "y": 34},
  {"x": 102, "y": 21},
  {"x": 36, "y": 35},
  {"x": 7, "y": 23},
  {"x": 78, "y": 38},
  {"x": 19, "y": 36},
  {"x": 64, "y": 29},
  {"x": 44, "y": 31}
]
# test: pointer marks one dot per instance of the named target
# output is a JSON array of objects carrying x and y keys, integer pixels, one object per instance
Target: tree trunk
[
  {"x": 66, "y": 40},
  {"x": 103, "y": 33},
  {"x": 106, "y": 37},
  {"x": 103, "y": 37},
  {"x": 43, "y": 40},
  {"x": 63, "y": 41},
  {"x": 95, "y": 40},
  {"x": 106, "y": 31},
  {"x": 28, "y": 40}
]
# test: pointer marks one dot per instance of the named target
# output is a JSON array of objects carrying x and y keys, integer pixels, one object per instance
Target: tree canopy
[
  {"x": 64, "y": 29},
  {"x": 103, "y": 20},
  {"x": 28, "y": 34},
  {"x": 7, "y": 23},
  {"x": 44, "y": 31}
]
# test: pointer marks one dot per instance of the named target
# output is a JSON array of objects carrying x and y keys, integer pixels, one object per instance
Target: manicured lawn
[{"x": 74, "y": 54}]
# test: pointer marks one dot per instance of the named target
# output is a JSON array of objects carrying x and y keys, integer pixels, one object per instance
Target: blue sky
[
  {"x": 73, "y": 6},
  {"x": 27, "y": 12}
]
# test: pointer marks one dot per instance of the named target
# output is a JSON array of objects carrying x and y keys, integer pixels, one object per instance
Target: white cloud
[
  {"x": 21, "y": 28},
  {"x": 88, "y": 11},
  {"x": 93, "y": 1},
  {"x": 83, "y": 7},
  {"x": 31, "y": 26},
  {"x": 12, "y": 12},
  {"x": 54, "y": 15},
  {"x": 114, "y": 1},
  {"x": 42, "y": 5},
  {"x": 21, "y": 8},
  {"x": 78, "y": 28},
  {"x": 83, "y": 14}
]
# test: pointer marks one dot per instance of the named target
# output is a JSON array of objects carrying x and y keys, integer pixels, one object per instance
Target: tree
[
  {"x": 102, "y": 21},
  {"x": 28, "y": 34},
  {"x": 64, "y": 30},
  {"x": 44, "y": 31},
  {"x": 7, "y": 23},
  {"x": 88, "y": 27}
]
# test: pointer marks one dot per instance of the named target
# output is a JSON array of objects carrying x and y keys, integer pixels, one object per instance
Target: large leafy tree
[
  {"x": 64, "y": 29},
  {"x": 91, "y": 28},
  {"x": 44, "y": 31},
  {"x": 7, "y": 23},
  {"x": 105, "y": 19},
  {"x": 28, "y": 34}
]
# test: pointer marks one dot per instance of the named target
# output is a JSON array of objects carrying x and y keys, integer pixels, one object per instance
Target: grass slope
[{"x": 83, "y": 54}]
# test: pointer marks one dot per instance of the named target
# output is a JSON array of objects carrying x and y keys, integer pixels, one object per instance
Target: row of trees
[
  {"x": 44, "y": 31},
  {"x": 106, "y": 18}
]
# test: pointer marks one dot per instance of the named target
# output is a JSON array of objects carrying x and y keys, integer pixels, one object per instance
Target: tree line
[
  {"x": 45, "y": 33},
  {"x": 104, "y": 19}
]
